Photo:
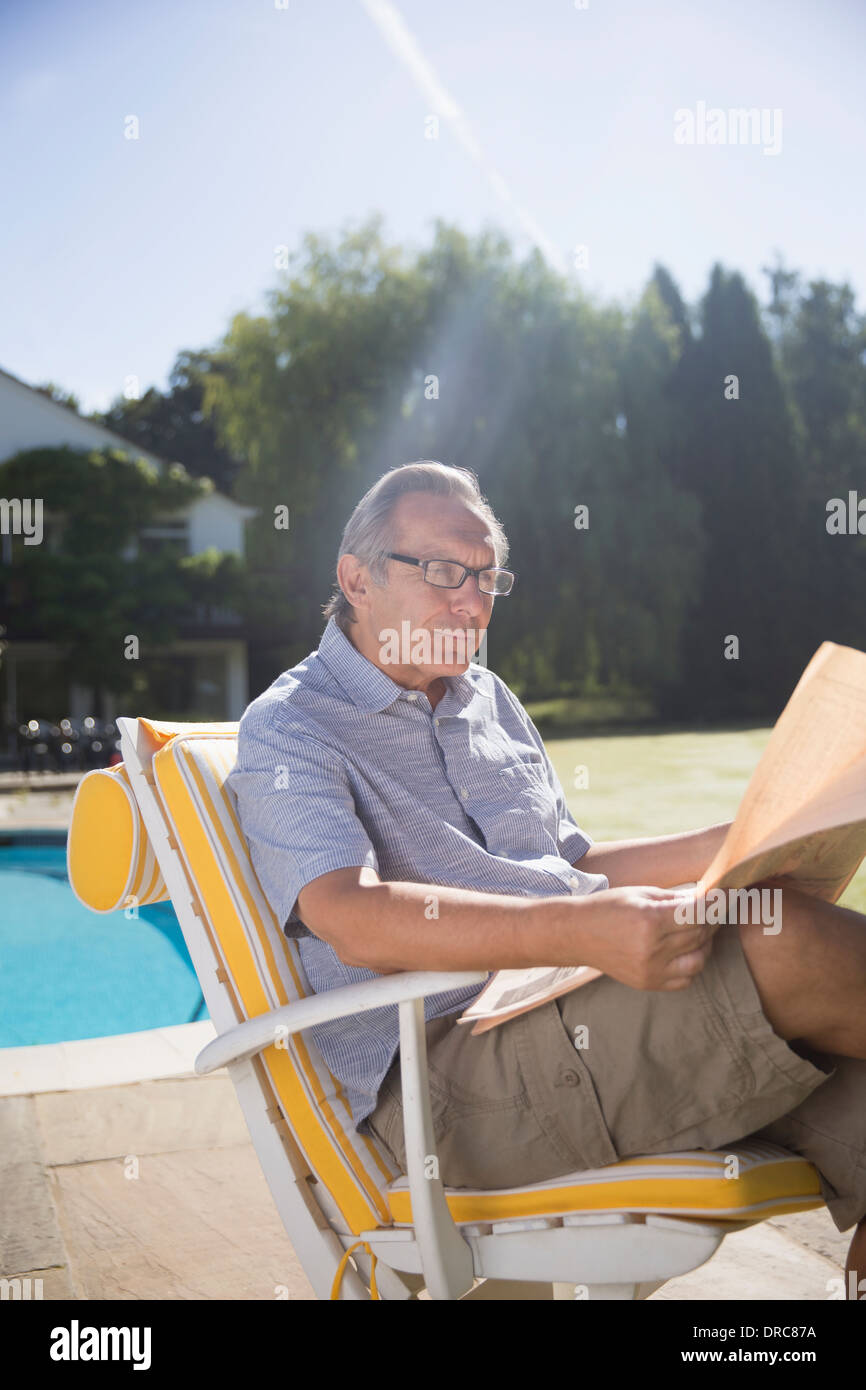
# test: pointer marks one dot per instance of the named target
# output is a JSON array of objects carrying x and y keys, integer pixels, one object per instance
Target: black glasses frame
[{"x": 484, "y": 569}]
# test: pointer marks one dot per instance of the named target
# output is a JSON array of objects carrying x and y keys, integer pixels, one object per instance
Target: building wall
[
  {"x": 29, "y": 420},
  {"x": 217, "y": 521}
]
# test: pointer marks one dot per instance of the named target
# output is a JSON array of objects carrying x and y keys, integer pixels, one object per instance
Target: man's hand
[{"x": 631, "y": 935}]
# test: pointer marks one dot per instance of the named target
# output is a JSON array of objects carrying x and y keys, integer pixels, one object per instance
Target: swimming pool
[{"x": 67, "y": 973}]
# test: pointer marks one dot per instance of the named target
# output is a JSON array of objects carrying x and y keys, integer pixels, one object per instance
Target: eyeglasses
[{"x": 447, "y": 574}]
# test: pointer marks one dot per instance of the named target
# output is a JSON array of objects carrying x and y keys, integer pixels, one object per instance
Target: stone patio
[{"x": 152, "y": 1190}]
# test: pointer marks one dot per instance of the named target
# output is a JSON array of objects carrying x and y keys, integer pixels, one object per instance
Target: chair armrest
[{"x": 255, "y": 1034}]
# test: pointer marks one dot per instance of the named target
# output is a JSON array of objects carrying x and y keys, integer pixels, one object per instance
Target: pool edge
[{"x": 150, "y": 1055}]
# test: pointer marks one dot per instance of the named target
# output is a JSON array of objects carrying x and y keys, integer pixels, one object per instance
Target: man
[{"x": 402, "y": 814}]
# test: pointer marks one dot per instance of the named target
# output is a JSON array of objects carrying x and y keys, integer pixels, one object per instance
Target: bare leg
[
  {"x": 811, "y": 975},
  {"x": 811, "y": 980}
]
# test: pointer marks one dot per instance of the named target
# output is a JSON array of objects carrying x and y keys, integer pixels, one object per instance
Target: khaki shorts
[{"x": 653, "y": 1071}]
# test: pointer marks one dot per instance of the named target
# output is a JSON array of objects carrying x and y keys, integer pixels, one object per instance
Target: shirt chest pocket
[{"x": 527, "y": 809}]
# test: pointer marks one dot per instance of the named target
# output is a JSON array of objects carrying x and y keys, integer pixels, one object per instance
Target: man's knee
[
  {"x": 782, "y": 915},
  {"x": 801, "y": 969},
  {"x": 779, "y": 959}
]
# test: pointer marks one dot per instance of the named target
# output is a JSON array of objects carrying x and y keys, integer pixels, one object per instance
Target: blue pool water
[{"x": 68, "y": 973}]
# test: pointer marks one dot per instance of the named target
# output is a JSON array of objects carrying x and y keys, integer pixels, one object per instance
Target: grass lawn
[{"x": 658, "y": 783}]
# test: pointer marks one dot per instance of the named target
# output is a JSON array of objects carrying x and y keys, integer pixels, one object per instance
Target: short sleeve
[
  {"x": 572, "y": 841},
  {"x": 297, "y": 813}
]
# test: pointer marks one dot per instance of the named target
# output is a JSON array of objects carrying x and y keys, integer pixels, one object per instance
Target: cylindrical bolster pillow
[{"x": 109, "y": 858}]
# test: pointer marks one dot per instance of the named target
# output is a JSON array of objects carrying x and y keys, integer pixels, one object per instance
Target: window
[{"x": 165, "y": 537}]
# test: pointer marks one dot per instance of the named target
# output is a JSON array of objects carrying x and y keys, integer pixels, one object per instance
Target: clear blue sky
[{"x": 259, "y": 123}]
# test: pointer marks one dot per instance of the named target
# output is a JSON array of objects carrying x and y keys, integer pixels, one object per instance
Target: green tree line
[{"x": 698, "y": 447}]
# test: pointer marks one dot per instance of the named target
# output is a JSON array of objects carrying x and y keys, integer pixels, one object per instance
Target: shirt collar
[{"x": 368, "y": 687}]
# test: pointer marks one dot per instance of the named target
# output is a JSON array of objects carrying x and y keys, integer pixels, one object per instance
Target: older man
[{"x": 402, "y": 814}]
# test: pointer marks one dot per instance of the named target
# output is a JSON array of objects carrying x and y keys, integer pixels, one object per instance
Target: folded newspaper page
[
  {"x": 802, "y": 818},
  {"x": 803, "y": 814},
  {"x": 513, "y": 992}
]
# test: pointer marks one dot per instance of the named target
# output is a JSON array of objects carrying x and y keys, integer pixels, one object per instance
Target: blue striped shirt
[{"x": 339, "y": 766}]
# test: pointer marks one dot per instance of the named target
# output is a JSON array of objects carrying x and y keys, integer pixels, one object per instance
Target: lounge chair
[{"x": 361, "y": 1228}]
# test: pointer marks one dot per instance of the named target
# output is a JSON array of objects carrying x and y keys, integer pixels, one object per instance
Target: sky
[{"x": 566, "y": 125}]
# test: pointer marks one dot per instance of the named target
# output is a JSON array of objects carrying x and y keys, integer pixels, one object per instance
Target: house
[{"x": 205, "y": 671}]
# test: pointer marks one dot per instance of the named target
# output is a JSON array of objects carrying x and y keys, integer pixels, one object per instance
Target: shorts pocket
[
  {"x": 661, "y": 1061},
  {"x": 507, "y": 1149},
  {"x": 448, "y": 1094},
  {"x": 386, "y": 1122}
]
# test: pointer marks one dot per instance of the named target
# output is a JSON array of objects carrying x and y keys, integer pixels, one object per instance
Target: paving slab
[
  {"x": 46, "y": 1285},
  {"x": 147, "y": 1118},
  {"x": 758, "y": 1264},
  {"x": 817, "y": 1231},
  {"x": 197, "y": 1224},
  {"x": 29, "y": 1231},
  {"x": 33, "y": 807}
]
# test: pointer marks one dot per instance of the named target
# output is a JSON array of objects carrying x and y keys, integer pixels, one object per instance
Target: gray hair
[{"x": 369, "y": 533}]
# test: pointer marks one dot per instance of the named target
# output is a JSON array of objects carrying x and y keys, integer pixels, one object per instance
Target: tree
[
  {"x": 784, "y": 292},
  {"x": 740, "y": 458},
  {"x": 705, "y": 443},
  {"x": 58, "y": 394},
  {"x": 662, "y": 555},
  {"x": 173, "y": 426},
  {"x": 304, "y": 394},
  {"x": 83, "y": 587},
  {"x": 368, "y": 359},
  {"x": 823, "y": 353}
]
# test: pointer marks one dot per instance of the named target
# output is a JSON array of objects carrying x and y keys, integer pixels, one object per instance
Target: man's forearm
[
  {"x": 418, "y": 926},
  {"x": 662, "y": 860}
]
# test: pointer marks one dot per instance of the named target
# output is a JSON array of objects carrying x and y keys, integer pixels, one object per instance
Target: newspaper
[
  {"x": 513, "y": 992},
  {"x": 802, "y": 819},
  {"x": 803, "y": 814}
]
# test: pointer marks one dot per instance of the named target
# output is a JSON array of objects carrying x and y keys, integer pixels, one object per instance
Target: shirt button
[
  {"x": 570, "y": 1078},
  {"x": 436, "y": 722},
  {"x": 412, "y": 696},
  {"x": 464, "y": 793}
]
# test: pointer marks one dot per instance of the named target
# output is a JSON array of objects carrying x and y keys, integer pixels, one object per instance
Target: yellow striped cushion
[
  {"x": 264, "y": 971},
  {"x": 770, "y": 1181},
  {"x": 109, "y": 859}
]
